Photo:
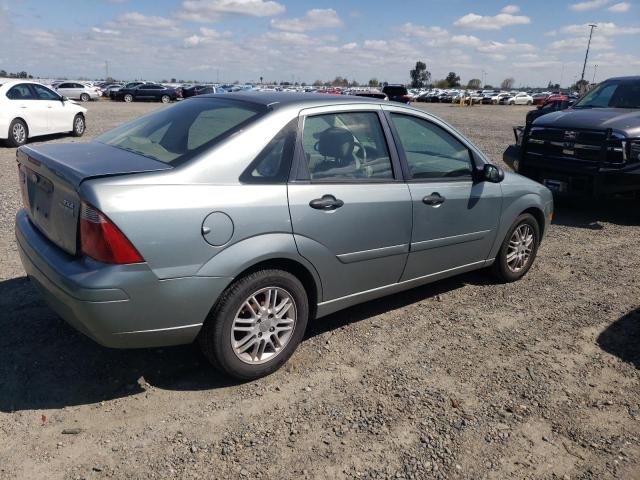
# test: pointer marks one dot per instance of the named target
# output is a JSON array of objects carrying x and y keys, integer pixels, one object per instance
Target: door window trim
[
  {"x": 300, "y": 167},
  {"x": 473, "y": 162}
]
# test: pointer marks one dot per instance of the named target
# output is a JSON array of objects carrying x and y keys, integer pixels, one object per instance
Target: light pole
[{"x": 587, "y": 54}]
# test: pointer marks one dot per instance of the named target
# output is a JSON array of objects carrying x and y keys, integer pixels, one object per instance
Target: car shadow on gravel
[
  {"x": 46, "y": 364},
  {"x": 589, "y": 214},
  {"x": 622, "y": 338}
]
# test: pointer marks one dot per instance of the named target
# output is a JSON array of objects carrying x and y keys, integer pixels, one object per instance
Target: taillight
[{"x": 101, "y": 240}]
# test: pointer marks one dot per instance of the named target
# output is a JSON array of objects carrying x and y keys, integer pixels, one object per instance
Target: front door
[
  {"x": 350, "y": 210},
  {"x": 454, "y": 218}
]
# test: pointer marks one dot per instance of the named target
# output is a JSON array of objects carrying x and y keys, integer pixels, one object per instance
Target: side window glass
[
  {"x": 20, "y": 92},
  {"x": 346, "y": 146},
  {"x": 431, "y": 152},
  {"x": 273, "y": 163},
  {"x": 44, "y": 93}
]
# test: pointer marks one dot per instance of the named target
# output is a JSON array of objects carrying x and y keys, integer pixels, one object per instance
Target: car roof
[{"x": 286, "y": 99}]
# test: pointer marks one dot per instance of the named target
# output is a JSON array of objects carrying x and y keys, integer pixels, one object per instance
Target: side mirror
[
  {"x": 492, "y": 173},
  {"x": 63, "y": 98}
]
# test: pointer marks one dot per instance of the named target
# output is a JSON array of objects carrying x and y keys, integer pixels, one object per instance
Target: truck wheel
[
  {"x": 518, "y": 250},
  {"x": 256, "y": 324}
]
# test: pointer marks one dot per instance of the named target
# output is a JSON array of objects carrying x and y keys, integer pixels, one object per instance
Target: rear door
[
  {"x": 455, "y": 219},
  {"x": 23, "y": 99},
  {"x": 350, "y": 208}
]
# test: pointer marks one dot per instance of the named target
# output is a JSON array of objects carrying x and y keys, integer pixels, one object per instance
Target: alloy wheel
[
  {"x": 79, "y": 125},
  {"x": 263, "y": 325},
  {"x": 520, "y": 248},
  {"x": 19, "y": 133}
]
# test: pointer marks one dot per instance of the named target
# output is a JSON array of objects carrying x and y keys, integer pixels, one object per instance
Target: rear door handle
[
  {"x": 434, "y": 199},
  {"x": 327, "y": 202}
]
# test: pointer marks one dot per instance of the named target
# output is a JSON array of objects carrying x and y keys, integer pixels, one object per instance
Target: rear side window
[
  {"x": 273, "y": 163},
  {"x": 20, "y": 92},
  {"x": 175, "y": 134}
]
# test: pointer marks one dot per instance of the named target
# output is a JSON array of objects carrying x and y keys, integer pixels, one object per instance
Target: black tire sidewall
[
  {"x": 10, "y": 140},
  {"x": 84, "y": 97},
  {"x": 502, "y": 269},
  {"x": 128, "y": 96},
  {"x": 167, "y": 97},
  {"x": 216, "y": 333}
]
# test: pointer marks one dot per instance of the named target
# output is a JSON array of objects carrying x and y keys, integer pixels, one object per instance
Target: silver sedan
[{"x": 235, "y": 220}]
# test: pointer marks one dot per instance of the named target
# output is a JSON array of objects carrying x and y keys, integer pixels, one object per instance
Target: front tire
[
  {"x": 518, "y": 250},
  {"x": 18, "y": 133},
  {"x": 256, "y": 325},
  {"x": 128, "y": 98},
  {"x": 79, "y": 126}
]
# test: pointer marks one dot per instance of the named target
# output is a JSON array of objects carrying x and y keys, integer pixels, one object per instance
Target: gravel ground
[{"x": 462, "y": 379}]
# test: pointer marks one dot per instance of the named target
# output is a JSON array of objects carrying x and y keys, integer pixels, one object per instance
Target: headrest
[{"x": 335, "y": 142}]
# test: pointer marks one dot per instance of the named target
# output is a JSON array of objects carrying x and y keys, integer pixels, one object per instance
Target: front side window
[
  {"x": 43, "y": 93},
  {"x": 175, "y": 134},
  {"x": 431, "y": 152},
  {"x": 20, "y": 92},
  {"x": 346, "y": 146}
]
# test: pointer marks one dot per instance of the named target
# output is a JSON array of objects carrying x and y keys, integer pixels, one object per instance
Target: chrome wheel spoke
[
  {"x": 263, "y": 325},
  {"x": 520, "y": 247}
]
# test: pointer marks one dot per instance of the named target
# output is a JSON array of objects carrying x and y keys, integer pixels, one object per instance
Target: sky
[{"x": 534, "y": 42}]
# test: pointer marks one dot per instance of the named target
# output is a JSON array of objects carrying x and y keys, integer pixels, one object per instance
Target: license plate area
[{"x": 38, "y": 192}]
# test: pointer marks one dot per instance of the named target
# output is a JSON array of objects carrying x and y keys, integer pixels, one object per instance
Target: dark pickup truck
[{"x": 591, "y": 149}]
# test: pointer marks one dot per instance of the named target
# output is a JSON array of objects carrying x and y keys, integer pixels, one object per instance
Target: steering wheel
[{"x": 361, "y": 149}]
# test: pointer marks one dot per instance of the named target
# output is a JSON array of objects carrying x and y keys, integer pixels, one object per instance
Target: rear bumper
[
  {"x": 120, "y": 306},
  {"x": 591, "y": 180}
]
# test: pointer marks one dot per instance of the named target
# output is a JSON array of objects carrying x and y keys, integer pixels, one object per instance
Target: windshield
[
  {"x": 613, "y": 94},
  {"x": 175, "y": 134}
]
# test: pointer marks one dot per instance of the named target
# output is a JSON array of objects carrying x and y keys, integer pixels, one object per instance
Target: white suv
[{"x": 29, "y": 109}]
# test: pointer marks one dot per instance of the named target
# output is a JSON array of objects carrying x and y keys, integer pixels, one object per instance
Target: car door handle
[
  {"x": 327, "y": 202},
  {"x": 434, "y": 199}
]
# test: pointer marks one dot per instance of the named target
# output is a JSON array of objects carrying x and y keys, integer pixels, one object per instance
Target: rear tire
[
  {"x": 79, "y": 126},
  {"x": 85, "y": 97},
  {"x": 243, "y": 308},
  {"x": 165, "y": 99},
  {"x": 18, "y": 133},
  {"x": 508, "y": 266},
  {"x": 128, "y": 98}
]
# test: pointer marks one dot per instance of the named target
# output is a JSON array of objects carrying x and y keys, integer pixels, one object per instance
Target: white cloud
[
  {"x": 510, "y": 47},
  {"x": 314, "y": 19},
  {"x": 588, "y": 5},
  {"x": 423, "y": 32},
  {"x": 136, "y": 19},
  {"x": 510, "y": 9},
  {"x": 474, "y": 21},
  {"x": 105, "y": 31},
  {"x": 620, "y": 7},
  {"x": 607, "y": 29},
  {"x": 208, "y": 11},
  {"x": 466, "y": 40},
  {"x": 598, "y": 42}
]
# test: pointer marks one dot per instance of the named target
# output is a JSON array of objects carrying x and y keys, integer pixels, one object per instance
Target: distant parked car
[
  {"x": 201, "y": 90},
  {"x": 109, "y": 87},
  {"x": 147, "y": 91},
  {"x": 540, "y": 98},
  {"x": 377, "y": 94},
  {"x": 227, "y": 221},
  {"x": 78, "y": 91},
  {"x": 520, "y": 99},
  {"x": 495, "y": 99},
  {"x": 29, "y": 109},
  {"x": 549, "y": 106},
  {"x": 397, "y": 93},
  {"x": 113, "y": 92}
]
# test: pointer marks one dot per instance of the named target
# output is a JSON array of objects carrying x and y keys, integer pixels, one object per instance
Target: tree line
[{"x": 5, "y": 74}]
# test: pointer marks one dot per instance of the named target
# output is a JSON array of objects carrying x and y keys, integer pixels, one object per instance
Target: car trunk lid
[{"x": 51, "y": 174}]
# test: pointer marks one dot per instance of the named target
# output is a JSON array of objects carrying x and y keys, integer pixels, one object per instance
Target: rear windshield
[
  {"x": 612, "y": 94},
  {"x": 175, "y": 134}
]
